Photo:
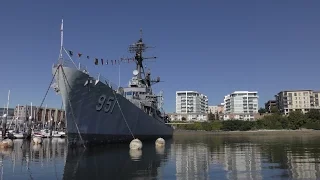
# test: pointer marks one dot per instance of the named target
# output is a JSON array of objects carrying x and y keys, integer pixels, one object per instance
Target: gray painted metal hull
[{"x": 96, "y": 127}]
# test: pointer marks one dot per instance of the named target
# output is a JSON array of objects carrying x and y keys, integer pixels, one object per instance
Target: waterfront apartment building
[
  {"x": 270, "y": 104},
  {"x": 301, "y": 100},
  {"x": 216, "y": 109},
  {"x": 191, "y": 102},
  {"x": 39, "y": 114},
  {"x": 4, "y": 111},
  {"x": 212, "y": 109},
  {"x": 241, "y": 105}
]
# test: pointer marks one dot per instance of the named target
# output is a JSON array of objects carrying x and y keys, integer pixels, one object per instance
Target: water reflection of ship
[{"x": 115, "y": 162}]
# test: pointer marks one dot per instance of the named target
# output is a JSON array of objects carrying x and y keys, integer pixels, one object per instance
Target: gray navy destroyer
[{"x": 98, "y": 112}]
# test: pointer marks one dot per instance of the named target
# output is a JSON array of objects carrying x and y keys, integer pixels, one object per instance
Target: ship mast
[
  {"x": 138, "y": 48},
  {"x": 61, "y": 43}
]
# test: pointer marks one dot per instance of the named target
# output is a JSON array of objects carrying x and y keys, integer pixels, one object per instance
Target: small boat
[
  {"x": 58, "y": 134},
  {"x": 45, "y": 133},
  {"x": 19, "y": 135},
  {"x": 37, "y": 134}
]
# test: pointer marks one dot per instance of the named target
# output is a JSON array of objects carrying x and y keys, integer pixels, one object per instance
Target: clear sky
[{"x": 214, "y": 47}]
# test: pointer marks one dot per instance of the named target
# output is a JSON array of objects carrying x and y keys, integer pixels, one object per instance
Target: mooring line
[
  {"x": 124, "y": 118},
  {"x": 67, "y": 83}
]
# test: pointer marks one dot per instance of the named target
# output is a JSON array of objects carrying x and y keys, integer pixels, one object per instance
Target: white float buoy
[
  {"x": 160, "y": 150},
  {"x": 36, "y": 147},
  {"x": 160, "y": 142},
  {"x": 37, "y": 140},
  {"x": 10, "y": 142},
  {"x": 7, "y": 143},
  {"x": 135, "y": 154},
  {"x": 135, "y": 144}
]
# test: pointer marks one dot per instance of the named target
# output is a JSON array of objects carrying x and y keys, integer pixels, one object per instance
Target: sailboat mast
[
  {"x": 61, "y": 43},
  {"x": 18, "y": 111},
  {"x": 44, "y": 119},
  {"x": 119, "y": 76},
  {"x": 4, "y": 108},
  {"x": 17, "y": 118},
  {"x": 31, "y": 111},
  {"x": 8, "y": 102}
]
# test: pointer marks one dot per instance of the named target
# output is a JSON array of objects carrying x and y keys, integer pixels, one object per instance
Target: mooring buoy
[
  {"x": 6, "y": 143},
  {"x": 135, "y": 144},
  {"x": 37, "y": 140},
  {"x": 160, "y": 142}
]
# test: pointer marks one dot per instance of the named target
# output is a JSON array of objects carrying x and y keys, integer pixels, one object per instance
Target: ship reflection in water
[
  {"x": 183, "y": 157},
  {"x": 115, "y": 162}
]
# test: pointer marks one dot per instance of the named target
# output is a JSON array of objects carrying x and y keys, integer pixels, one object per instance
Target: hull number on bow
[{"x": 107, "y": 104}]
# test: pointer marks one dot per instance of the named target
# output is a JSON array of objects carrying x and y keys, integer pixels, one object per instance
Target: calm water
[{"x": 184, "y": 157}]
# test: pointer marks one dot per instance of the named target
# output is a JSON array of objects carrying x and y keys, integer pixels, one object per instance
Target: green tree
[
  {"x": 313, "y": 114},
  {"x": 271, "y": 121},
  {"x": 296, "y": 119},
  {"x": 262, "y": 111},
  {"x": 217, "y": 115},
  {"x": 211, "y": 116},
  {"x": 274, "y": 109},
  {"x": 313, "y": 119}
]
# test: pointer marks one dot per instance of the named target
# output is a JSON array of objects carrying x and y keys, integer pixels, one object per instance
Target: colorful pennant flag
[
  {"x": 106, "y": 61},
  {"x": 70, "y": 53}
]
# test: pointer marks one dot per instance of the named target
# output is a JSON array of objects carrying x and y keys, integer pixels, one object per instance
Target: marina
[{"x": 159, "y": 90}]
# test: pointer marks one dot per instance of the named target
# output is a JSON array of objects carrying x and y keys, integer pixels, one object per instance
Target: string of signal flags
[{"x": 104, "y": 61}]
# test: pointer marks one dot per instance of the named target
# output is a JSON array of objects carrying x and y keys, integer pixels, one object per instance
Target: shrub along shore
[{"x": 275, "y": 121}]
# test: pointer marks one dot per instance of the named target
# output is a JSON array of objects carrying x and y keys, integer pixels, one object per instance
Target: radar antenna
[
  {"x": 140, "y": 33},
  {"x": 139, "y": 48}
]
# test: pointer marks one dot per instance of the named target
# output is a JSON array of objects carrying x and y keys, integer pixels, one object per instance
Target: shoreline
[{"x": 253, "y": 132}]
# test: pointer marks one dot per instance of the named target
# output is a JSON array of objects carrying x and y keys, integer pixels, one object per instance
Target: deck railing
[
  {"x": 71, "y": 64},
  {"x": 107, "y": 82}
]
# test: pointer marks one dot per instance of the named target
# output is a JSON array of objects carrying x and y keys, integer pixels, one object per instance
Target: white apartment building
[
  {"x": 212, "y": 109},
  {"x": 301, "y": 100},
  {"x": 241, "y": 105},
  {"x": 191, "y": 102},
  {"x": 216, "y": 109}
]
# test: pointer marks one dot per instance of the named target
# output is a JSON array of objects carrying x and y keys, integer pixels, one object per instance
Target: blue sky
[{"x": 214, "y": 47}]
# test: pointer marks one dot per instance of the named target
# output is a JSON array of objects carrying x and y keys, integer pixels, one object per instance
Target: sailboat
[{"x": 17, "y": 133}]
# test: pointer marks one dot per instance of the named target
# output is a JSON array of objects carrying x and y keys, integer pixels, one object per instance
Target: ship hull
[{"x": 98, "y": 115}]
